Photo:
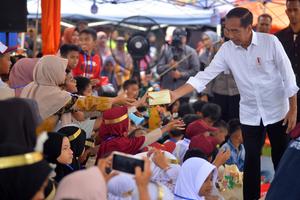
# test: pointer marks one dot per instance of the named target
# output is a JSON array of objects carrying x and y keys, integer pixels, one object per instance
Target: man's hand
[
  {"x": 290, "y": 120},
  {"x": 291, "y": 117},
  {"x": 176, "y": 74},
  {"x": 181, "y": 91}
]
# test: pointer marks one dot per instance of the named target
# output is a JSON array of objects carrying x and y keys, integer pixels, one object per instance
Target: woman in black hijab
[
  {"x": 19, "y": 120},
  {"x": 57, "y": 150},
  {"x": 23, "y": 173},
  {"x": 77, "y": 139}
]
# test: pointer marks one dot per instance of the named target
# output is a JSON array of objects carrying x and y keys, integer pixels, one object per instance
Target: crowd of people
[{"x": 64, "y": 116}]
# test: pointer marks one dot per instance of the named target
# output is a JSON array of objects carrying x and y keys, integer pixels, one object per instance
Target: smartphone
[{"x": 126, "y": 163}]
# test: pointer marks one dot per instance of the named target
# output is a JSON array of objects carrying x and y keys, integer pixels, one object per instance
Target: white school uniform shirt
[
  {"x": 5, "y": 91},
  {"x": 181, "y": 148},
  {"x": 263, "y": 74}
]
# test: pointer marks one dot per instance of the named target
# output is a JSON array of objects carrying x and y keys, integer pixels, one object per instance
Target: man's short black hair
[
  {"x": 246, "y": 17},
  {"x": 211, "y": 111},
  {"x": 192, "y": 153},
  {"x": 128, "y": 83},
  {"x": 91, "y": 32},
  {"x": 265, "y": 15},
  {"x": 67, "y": 48},
  {"x": 197, "y": 106}
]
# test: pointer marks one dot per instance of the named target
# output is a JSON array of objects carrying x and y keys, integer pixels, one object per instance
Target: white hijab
[
  {"x": 192, "y": 175},
  {"x": 48, "y": 74},
  {"x": 120, "y": 187}
]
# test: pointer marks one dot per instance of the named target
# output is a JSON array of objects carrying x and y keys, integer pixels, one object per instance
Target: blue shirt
[{"x": 237, "y": 156}]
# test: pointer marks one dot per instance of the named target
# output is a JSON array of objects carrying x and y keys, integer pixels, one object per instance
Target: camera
[{"x": 177, "y": 36}]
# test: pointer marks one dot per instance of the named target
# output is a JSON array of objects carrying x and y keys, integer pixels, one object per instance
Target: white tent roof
[{"x": 162, "y": 12}]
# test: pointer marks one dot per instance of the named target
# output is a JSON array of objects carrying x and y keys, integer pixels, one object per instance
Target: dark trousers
[
  {"x": 253, "y": 136},
  {"x": 229, "y": 104}
]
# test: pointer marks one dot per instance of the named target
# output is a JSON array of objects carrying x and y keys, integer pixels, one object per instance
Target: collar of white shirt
[{"x": 253, "y": 40}]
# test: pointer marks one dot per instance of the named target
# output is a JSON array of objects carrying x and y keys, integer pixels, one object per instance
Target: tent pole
[{"x": 36, "y": 29}]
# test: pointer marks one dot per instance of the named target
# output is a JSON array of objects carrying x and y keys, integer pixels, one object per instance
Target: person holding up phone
[{"x": 113, "y": 133}]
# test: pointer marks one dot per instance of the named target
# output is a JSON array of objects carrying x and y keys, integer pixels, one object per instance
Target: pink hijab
[
  {"x": 86, "y": 184},
  {"x": 22, "y": 74},
  {"x": 48, "y": 75}
]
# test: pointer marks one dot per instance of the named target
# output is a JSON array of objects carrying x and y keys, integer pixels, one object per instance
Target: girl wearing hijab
[
  {"x": 18, "y": 122},
  {"x": 23, "y": 173},
  {"x": 77, "y": 139},
  {"x": 121, "y": 187},
  {"x": 22, "y": 74},
  {"x": 57, "y": 150},
  {"x": 86, "y": 184},
  {"x": 209, "y": 38},
  {"x": 71, "y": 36},
  {"x": 49, "y": 74},
  {"x": 114, "y": 130},
  {"x": 109, "y": 71},
  {"x": 196, "y": 179}
]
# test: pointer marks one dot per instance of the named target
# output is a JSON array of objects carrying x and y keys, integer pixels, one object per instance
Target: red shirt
[{"x": 88, "y": 66}]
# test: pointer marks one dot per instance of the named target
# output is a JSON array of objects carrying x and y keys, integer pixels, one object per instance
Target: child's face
[
  {"x": 73, "y": 57},
  {"x": 102, "y": 40},
  {"x": 75, "y": 38},
  {"x": 109, "y": 67},
  {"x": 206, "y": 187},
  {"x": 66, "y": 155},
  {"x": 70, "y": 84},
  {"x": 238, "y": 136},
  {"x": 5, "y": 63},
  {"x": 86, "y": 42},
  {"x": 221, "y": 134},
  {"x": 132, "y": 91},
  {"x": 88, "y": 91}
]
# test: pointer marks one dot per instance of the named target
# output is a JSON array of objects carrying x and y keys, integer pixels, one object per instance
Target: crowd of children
[{"x": 69, "y": 118}]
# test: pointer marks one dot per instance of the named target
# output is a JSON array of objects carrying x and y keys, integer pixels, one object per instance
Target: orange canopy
[
  {"x": 50, "y": 26},
  {"x": 275, "y": 8}
]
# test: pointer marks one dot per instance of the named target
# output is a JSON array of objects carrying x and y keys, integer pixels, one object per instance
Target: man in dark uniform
[{"x": 290, "y": 39}]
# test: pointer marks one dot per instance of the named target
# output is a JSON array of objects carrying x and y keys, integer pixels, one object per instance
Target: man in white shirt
[{"x": 267, "y": 86}]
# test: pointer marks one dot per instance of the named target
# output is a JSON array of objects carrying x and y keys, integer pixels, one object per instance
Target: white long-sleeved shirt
[{"x": 263, "y": 74}]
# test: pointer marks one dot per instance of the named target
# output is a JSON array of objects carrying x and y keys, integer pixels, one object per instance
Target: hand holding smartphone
[{"x": 126, "y": 163}]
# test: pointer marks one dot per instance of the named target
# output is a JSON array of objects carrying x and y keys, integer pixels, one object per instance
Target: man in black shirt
[{"x": 290, "y": 39}]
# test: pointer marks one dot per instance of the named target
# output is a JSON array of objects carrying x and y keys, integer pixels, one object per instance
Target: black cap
[{"x": 180, "y": 31}]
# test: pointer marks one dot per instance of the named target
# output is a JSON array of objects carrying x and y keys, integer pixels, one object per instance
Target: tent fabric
[
  {"x": 161, "y": 11},
  {"x": 275, "y": 8},
  {"x": 50, "y": 26}
]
